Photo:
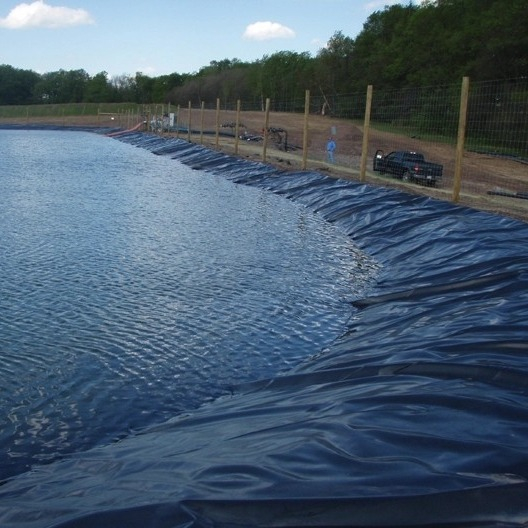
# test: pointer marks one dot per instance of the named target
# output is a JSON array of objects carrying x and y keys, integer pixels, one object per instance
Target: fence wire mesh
[
  {"x": 493, "y": 168},
  {"x": 494, "y": 150}
]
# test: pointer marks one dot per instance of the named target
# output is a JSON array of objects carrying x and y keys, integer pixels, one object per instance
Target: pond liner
[{"x": 416, "y": 416}]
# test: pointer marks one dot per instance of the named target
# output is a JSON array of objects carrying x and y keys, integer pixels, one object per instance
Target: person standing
[{"x": 330, "y": 149}]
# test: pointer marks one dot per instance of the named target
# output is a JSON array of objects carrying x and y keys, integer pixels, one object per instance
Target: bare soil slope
[{"x": 481, "y": 172}]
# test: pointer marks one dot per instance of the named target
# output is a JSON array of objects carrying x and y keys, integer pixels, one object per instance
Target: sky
[{"x": 159, "y": 37}]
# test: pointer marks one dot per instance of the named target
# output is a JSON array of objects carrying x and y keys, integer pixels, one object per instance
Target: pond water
[{"x": 134, "y": 288}]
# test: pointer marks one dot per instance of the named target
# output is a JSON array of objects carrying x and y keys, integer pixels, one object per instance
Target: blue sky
[{"x": 158, "y": 37}]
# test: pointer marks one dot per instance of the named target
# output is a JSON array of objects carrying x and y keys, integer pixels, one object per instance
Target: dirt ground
[{"x": 481, "y": 173}]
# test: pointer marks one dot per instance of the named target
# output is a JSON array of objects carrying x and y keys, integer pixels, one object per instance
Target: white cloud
[
  {"x": 39, "y": 14},
  {"x": 267, "y": 31}
]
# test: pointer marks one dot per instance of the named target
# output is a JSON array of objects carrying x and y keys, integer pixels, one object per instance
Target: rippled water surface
[{"x": 133, "y": 288}]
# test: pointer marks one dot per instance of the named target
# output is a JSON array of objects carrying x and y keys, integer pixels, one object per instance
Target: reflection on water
[{"x": 133, "y": 288}]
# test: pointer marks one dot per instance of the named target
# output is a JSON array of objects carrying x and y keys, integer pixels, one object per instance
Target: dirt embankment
[{"x": 481, "y": 173}]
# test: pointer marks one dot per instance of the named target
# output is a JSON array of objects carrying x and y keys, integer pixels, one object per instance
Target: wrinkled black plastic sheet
[{"x": 416, "y": 416}]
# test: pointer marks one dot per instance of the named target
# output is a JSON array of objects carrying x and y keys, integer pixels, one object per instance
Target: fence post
[
  {"x": 305, "y": 129},
  {"x": 266, "y": 126},
  {"x": 237, "y": 125},
  {"x": 189, "y": 124},
  {"x": 217, "y": 131},
  {"x": 202, "y": 122},
  {"x": 178, "y": 122},
  {"x": 462, "y": 120},
  {"x": 366, "y": 127}
]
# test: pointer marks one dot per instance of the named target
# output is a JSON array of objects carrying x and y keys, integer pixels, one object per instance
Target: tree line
[{"x": 436, "y": 42}]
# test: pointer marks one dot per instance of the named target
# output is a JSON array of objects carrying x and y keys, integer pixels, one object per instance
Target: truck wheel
[{"x": 406, "y": 176}]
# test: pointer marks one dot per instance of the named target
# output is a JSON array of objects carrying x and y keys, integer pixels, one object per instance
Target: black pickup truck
[{"x": 408, "y": 166}]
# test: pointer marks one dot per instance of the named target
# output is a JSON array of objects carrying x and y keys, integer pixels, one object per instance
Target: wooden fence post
[
  {"x": 305, "y": 129},
  {"x": 189, "y": 124},
  {"x": 202, "y": 122},
  {"x": 217, "y": 131},
  {"x": 237, "y": 125},
  {"x": 366, "y": 127},
  {"x": 266, "y": 126},
  {"x": 462, "y": 121}
]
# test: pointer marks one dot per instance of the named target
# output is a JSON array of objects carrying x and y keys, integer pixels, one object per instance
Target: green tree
[
  {"x": 335, "y": 64},
  {"x": 440, "y": 41},
  {"x": 503, "y": 50},
  {"x": 143, "y": 89},
  {"x": 283, "y": 76},
  {"x": 99, "y": 89},
  {"x": 61, "y": 87},
  {"x": 122, "y": 88},
  {"x": 375, "y": 57},
  {"x": 16, "y": 86}
]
